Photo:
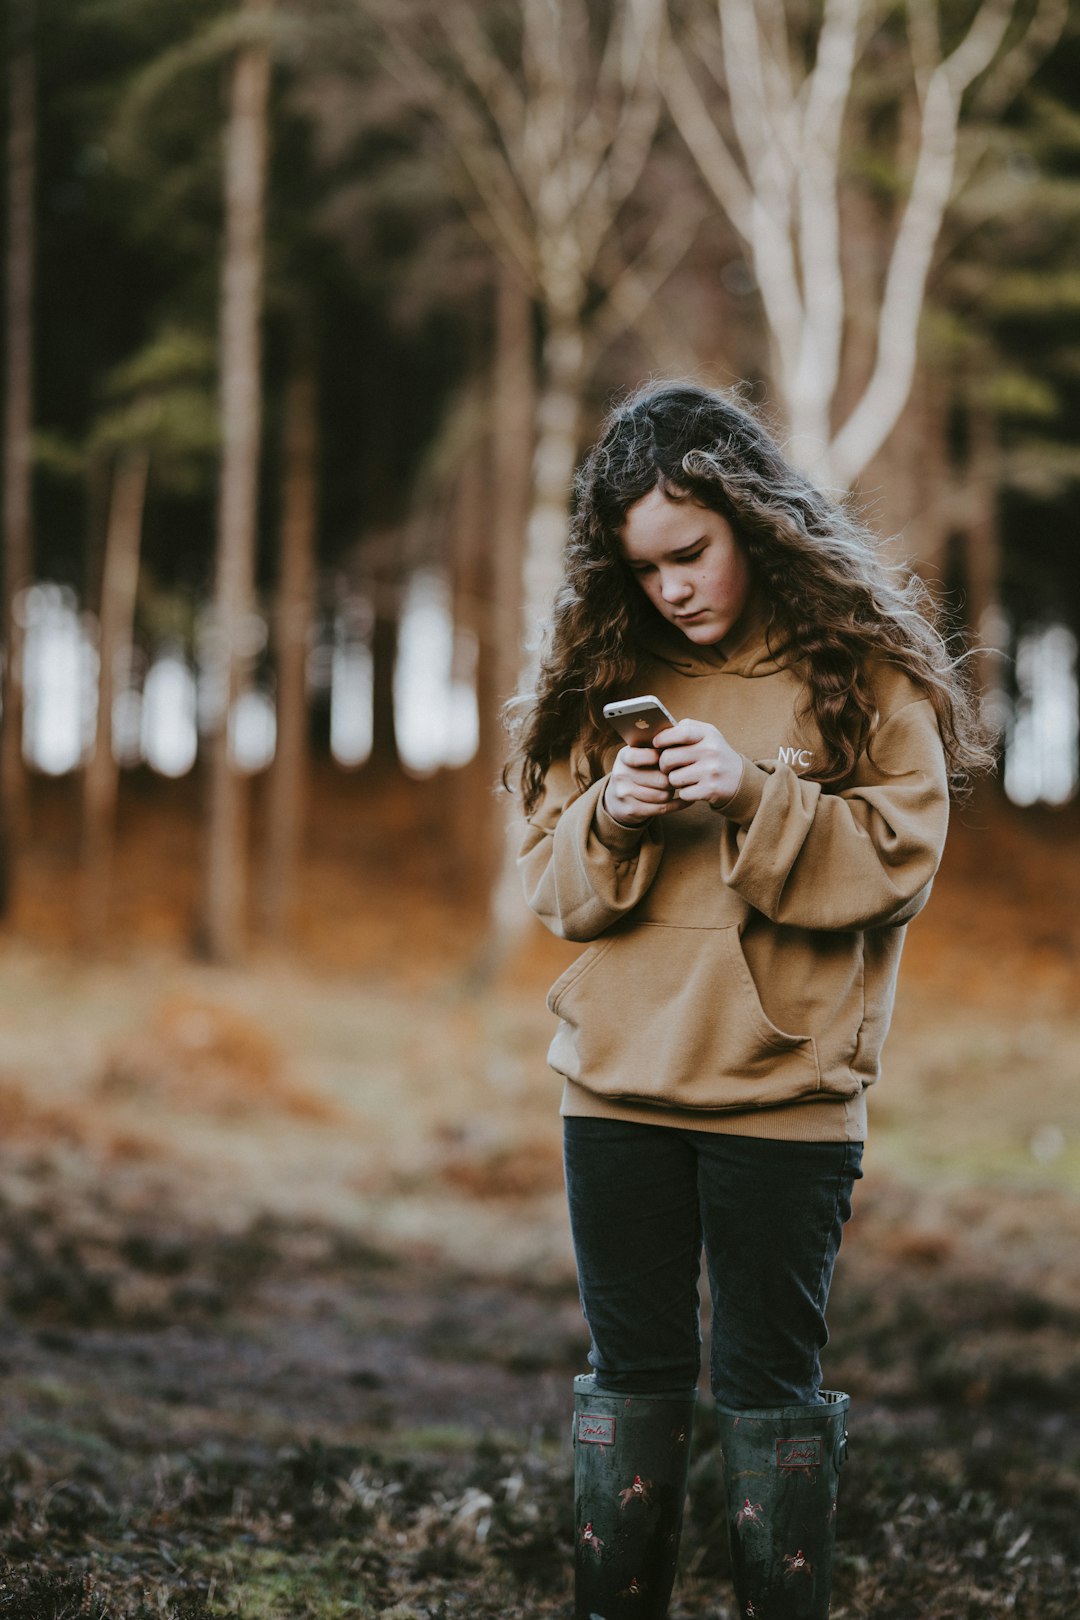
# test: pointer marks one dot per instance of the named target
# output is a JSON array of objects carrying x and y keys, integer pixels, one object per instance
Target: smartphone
[{"x": 638, "y": 719}]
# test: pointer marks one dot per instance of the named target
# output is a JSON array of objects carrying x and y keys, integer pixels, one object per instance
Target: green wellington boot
[
  {"x": 631, "y": 1455},
  {"x": 781, "y": 1472}
]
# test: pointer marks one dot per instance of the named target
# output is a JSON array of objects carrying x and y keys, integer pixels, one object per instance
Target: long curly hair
[{"x": 832, "y": 603}]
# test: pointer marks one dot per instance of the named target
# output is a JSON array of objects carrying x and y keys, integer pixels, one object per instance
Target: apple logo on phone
[{"x": 642, "y": 725}]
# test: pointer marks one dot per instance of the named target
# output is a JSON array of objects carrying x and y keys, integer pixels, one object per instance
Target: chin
[{"x": 705, "y": 634}]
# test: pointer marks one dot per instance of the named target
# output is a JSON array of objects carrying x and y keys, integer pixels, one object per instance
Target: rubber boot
[
  {"x": 631, "y": 1455},
  {"x": 781, "y": 1472}
]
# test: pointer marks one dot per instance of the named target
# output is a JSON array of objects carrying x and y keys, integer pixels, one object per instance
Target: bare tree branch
[
  {"x": 826, "y": 95},
  {"x": 776, "y": 64},
  {"x": 924, "y": 42},
  {"x": 766, "y": 136},
  {"x": 695, "y": 124},
  {"x": 1012, "y": 71},
  {"x": 482, "y": 161},
  {"x": 495, "y": 85},
  {"x": 779, "y": 183},
  {"x": 875, "y": 414},
  {"x": 1008, "y": 76},
  {"x": 633, "y": 286},
  {"x": 626, "y": 125},
  {"x": 550, "y": 128}
]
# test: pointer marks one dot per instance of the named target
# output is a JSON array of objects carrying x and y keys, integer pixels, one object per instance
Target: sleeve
[
  {"x": 581, "y": 869},
  {"x": 864, "y": 857}
]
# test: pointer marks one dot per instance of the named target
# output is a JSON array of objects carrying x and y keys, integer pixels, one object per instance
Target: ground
[{"x": 289, "y": 1310}]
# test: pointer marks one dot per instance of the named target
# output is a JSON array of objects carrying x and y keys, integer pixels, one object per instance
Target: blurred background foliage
[{"x": 468, "y": 227}]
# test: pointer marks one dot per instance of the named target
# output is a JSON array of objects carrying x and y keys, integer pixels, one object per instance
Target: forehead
[{"x": 656, "y": 525}]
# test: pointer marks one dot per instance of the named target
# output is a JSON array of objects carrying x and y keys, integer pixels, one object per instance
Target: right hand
[{"x": 637, "y": 788}]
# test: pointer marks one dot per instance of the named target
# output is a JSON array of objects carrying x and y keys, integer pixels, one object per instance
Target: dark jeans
[{"x": 643, "y": 1199}]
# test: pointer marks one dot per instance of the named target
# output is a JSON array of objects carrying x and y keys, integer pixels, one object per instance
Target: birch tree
[
  {"x": 546, "y": 115},
  {"x": 768, "y": 136}
]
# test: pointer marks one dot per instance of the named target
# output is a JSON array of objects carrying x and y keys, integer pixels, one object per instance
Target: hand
[
  {"x": 699, "y": 763},
  {"x": 637, "y": 789}
]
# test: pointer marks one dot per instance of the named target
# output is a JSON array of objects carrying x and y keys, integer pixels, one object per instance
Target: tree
[
  {"x": 18, "y": 417},
  {"x": 1009, "y": 303},
  {"x": 292, "y": 633},
  {"x": 546, "y": 117},
  {"x": 159, "y": 415},
  {"x": 246, "y": 143},
  {"x": 769, "y": 140}
]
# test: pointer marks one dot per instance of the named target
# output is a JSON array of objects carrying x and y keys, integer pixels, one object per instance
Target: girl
[{"x": 744, "y": 885}]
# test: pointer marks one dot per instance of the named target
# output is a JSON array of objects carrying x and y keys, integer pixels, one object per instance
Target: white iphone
[{"x": 638, "y": 719}]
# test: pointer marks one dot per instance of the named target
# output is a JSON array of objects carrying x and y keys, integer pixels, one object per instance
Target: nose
[{"x": 675, "y": 587}]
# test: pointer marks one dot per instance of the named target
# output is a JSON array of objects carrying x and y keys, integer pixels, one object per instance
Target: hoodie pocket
[
  {"x": 672, "y": 1015},
  {"x": 577, "y": 970}
]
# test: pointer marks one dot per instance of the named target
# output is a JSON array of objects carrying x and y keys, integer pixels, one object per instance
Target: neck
[{"x": 750, "y": 620}]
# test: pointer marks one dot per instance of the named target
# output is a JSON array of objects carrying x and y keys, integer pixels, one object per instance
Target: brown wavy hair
[{"x": 832, "y": 603}]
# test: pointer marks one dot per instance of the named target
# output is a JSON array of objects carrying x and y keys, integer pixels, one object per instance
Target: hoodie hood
[{"x": 749, "y": 655}]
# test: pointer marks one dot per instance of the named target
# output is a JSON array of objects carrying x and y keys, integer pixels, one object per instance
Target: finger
[
  {"x": 683, "y": 777},
  {"x": 648, "y": 795},
  {"x": 673, "y": 758},
  {"x": 654, "y": 778},
  {"x": 673, "y": 805},
  {"x": 639, "y": 757},
  {"x": 684, "y": 731},
  {"x": 652, "y": 786}
]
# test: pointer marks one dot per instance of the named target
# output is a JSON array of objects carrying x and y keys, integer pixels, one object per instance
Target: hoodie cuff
[
  {"x": 743, "y": 804},
  {"x": 616, "y": 836}
]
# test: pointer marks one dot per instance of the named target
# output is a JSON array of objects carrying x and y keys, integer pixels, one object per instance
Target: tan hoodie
[{"x": 743, "y": 963}]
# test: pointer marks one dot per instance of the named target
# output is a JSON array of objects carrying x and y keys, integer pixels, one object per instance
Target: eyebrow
[{"x": 669, "y": 556}]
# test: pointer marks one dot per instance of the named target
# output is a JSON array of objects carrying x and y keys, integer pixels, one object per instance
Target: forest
[{"x": 310, "y": 309}]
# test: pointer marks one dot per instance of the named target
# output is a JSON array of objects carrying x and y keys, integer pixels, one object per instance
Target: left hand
[{"x": 699, "y": 762}]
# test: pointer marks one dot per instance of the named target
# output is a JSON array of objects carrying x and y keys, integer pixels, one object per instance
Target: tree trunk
[
  {"x": 982, "y": 538},
  {"x": 97, "y": 489},
  {"x": 225, "y": 900},
  {"x": 386, "y": 605},
  {"x": 471, "y": 800},
  {"x": 120, "y": 578},
  {"x": 513, "y": 451},
  {"x": 500, "y": 504},
  {"x": 512, "y": 436},
  {"x": 18, "y": 422},
  {"x": 295, "y": 608},
  {"x": 558, "y": 425}
]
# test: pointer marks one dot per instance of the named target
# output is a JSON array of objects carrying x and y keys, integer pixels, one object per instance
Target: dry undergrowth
[{"x": 289, "y": 1321}]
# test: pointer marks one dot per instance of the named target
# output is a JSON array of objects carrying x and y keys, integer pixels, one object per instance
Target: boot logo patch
[
  {"x": 798, "y": 1456},
  {"x": 596, "y": 1428}
]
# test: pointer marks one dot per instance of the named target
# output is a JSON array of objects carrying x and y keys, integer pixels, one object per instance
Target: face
[{"x": 689, "y": 564}]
